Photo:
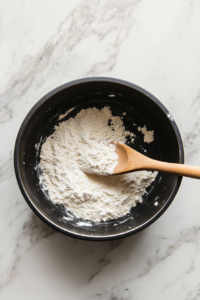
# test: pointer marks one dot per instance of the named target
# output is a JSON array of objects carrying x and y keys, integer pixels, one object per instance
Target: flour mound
[
  {"x": 77, "y": 147},
  {"x": 100, "y": 159}
]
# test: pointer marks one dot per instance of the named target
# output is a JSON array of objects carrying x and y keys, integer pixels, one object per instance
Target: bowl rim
[{"x": 77, "y": 82}]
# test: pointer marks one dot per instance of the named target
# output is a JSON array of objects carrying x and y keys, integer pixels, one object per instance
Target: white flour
[
  {"x": 100, "y": 158},
  {"x": 148, "y": 135},
  {"x": 77, "y": 145}
]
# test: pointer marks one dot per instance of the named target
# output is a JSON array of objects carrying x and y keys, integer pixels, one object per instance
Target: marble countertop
[{"x": 154, "y": 44}]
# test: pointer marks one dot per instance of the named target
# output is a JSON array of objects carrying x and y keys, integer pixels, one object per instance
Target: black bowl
[{"x": 141, "y": 109}]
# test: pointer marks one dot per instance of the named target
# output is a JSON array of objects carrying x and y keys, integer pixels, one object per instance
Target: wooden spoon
[{"x": 130, "y": 160}]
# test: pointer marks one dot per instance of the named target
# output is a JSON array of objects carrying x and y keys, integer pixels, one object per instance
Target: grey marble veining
[{"x": 154, "y": 44}]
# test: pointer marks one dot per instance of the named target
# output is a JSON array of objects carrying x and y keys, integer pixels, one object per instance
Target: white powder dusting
[
  {"x": 100, "y": 158},
  {"x": 148, "y": 135},
  {"x": 77, "y": 145},
  {"x": 65, "y": 114},
  {"x": 111, "y": 95}
]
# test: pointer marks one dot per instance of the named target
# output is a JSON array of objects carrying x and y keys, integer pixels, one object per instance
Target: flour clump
[
  {"x": 80, "y": 146},
  {"x": 148, "y": 135}
]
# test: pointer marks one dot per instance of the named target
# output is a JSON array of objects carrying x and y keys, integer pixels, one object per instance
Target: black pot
[{"x": 141, "y": 108}]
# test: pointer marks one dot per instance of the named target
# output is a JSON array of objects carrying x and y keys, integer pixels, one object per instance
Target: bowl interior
[{"x": 140, "y": 110}]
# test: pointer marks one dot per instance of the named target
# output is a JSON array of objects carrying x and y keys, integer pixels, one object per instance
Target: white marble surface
[{"x": 152, "y": 43}]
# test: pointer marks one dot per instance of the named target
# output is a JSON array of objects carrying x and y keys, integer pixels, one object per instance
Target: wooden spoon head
[
  {"x": 122, "y": 158},
  {"x": 129, "y": 159}
]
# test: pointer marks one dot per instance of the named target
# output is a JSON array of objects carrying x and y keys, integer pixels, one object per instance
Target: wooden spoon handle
[{"x": 179, "y": 169}]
